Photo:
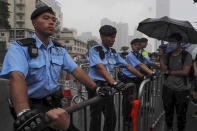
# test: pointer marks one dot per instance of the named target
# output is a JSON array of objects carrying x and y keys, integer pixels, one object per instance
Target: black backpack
[{"x": 184, "y": 55}]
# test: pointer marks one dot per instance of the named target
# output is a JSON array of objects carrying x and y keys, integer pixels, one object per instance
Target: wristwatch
[
  {"x": 23, "y": 111},
  {"x": 115, "y": 83}
]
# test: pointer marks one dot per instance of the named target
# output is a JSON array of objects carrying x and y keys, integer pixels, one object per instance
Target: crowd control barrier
[{"x": 151, "y": 113}]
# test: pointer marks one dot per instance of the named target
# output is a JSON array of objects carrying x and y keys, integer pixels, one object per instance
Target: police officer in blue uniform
[
  {"x": 33, "y": 66},
  {"x": 137, "y": 60},
  {"x": 102, "y": 61}
]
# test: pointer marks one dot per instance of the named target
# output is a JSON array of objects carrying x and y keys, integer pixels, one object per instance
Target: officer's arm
[
  {"x": 101, "y": 69},
  {"x": 18, "y": 91},
  {"x": 83, "y": 78},
  {"x": 145, "y": 68},
  {"x": 133, "y": 70}
]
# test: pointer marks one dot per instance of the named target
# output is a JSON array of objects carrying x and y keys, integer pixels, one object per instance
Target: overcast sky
[{"x": 85, "y": 15}]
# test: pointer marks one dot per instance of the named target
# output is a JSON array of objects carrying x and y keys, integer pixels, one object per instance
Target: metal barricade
[
  {"x": 151, "y": 113},
  {"x": 81, "y": 118}
]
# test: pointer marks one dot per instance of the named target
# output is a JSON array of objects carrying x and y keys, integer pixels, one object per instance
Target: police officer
[
  {"x": 102, "y": 61},
  {"x": 136, "y": 60},
  {"x": 144, "y": 43},
  {"x": 33, "y": 66}
]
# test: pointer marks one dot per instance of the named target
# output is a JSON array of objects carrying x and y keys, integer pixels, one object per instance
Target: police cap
[
  {"x": 37, "y": 12},
  {"x": 135, "y": 41},
  {"x": 142, "y": 40},
  {"x": 107, "y": 30}
]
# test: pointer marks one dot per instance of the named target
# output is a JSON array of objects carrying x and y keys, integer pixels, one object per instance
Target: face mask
[{"x": 172, "y": 46}]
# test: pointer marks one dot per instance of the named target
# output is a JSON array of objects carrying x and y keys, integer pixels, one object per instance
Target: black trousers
[
  {"x": 175, "y": 100},
  {"x": 106, "y": 107},
  {"x": 47, "y": 103},
  {"x": 128, "y": 97}
]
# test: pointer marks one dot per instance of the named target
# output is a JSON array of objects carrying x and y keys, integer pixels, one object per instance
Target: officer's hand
[
  {"x": 104, "y": 91},
  {"x": 59, "y": 119},
  {"x": 194, "y": 95},
  {"x": 120, "y": 86},
  {"x": 195, "y": 73},
  {"x": 31, "y": 120}
]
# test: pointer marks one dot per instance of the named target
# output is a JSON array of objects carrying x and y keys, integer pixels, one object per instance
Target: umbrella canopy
[{"x": 162, "y": 28}]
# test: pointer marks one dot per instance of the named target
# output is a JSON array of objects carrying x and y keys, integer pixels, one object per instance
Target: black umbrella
[{"x": 162, "y": 28}]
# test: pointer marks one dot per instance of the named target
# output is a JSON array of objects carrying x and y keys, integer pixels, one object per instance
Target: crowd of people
[{"x": 33, "y": 66}]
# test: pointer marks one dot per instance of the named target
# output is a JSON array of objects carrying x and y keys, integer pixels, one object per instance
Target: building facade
[
  {"x": 20, "y": 22},
  {"x": 73, "y": 45}
]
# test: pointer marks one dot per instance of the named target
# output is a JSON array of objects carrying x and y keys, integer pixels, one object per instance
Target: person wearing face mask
[{"x": 176, "y": 66}]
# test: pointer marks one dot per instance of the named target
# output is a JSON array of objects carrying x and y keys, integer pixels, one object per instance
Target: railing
[{"x": 151, "y": 110}]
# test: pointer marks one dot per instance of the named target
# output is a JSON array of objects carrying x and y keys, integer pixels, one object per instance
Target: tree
[
  {"x": 4, "y": 14},
  {"x": 124, "y": 52},
  {"x": 124, "y": 48}
]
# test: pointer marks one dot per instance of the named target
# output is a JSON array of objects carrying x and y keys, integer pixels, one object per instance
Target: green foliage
[
  {"x": 124, "y": 48},
  {"x": 4, "y": 14}
]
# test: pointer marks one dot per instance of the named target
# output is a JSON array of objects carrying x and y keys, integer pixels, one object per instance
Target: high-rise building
[
  {"x": 162, "y": 8},
  {"x": 73, "y": 45},
  {"x": 122, "y": 36},
  {"x": 87, "y": 36}
]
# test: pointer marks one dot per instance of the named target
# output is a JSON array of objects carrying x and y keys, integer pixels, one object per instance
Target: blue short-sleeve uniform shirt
[
  {"x": 134, "y": 59},
  {"x": 41, "y": 73},
  {"x": 110, "y": 59}
]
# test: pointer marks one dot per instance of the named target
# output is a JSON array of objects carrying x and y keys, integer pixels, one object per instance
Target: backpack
[{"x": 190, "y": 75}]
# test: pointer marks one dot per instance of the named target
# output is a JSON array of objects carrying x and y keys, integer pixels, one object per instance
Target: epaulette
[
  {"x": 31, "y": 44},
  {"x": 57, "y": 44},
  {"x": 26, "y": 41},
  {"x": 101, "y": 52},
  {"x": 113, "y": 50}
]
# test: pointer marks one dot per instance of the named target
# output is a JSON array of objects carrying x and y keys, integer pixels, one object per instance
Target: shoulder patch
[
  {"x": 101, "y": 52},
  {"x": 26, "y": 42},
  {"x": 113, "y": 50},
  {"x": 57, "y": 44}
]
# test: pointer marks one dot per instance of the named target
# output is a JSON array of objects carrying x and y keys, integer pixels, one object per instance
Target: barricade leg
[{"x": 134, "y": 114}]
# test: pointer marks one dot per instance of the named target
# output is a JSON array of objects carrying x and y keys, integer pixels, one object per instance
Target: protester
[
  {"x": 102, "y": 61},
  {"x": 33, "y": 66},
  {"x": 194, "y": 92},
  {"x": 176, "y": 66}
]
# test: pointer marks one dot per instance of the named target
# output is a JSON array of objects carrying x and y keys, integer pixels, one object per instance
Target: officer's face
[
  {"x": 144, "y": 44},
  {"x": 135, "y": 47},
  {"x": 45, "y": 24},
  {"x": 108, "y": 41}
]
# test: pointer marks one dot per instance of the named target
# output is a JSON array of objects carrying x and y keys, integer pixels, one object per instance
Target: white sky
[{"x": 85, "y": 15}]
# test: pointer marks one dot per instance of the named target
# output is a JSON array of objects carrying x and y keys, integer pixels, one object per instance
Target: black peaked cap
[
  {"x": 37, "y": 12},
  {"x": 107, "y": 30},
  {"x": 134, "y": 41}
]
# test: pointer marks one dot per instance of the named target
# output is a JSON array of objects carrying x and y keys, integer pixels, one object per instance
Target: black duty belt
[
  {"x": 102, "y": 83},
  {"x": 54, "y": 96}
]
